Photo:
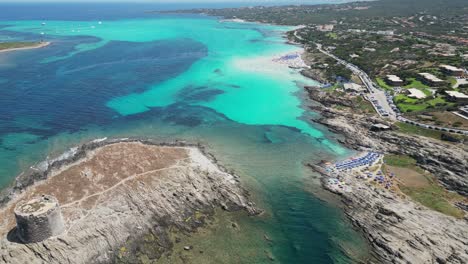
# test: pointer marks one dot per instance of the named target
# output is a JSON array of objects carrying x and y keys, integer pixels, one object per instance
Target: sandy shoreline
[{"x": 40, "y": 45}]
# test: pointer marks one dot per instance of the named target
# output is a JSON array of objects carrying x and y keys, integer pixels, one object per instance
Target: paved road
[
  {"x": 381, "y": 102},
  {"x": 446, "y": 129},
  {"x": 376, "y": 96},
  {"x": 297, "y": 36}
]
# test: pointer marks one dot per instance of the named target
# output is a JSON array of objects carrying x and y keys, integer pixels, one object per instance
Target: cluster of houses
[{"x": 433, "y": 81}]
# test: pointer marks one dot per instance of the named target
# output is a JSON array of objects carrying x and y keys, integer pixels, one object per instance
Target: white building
[
  {"x": 394, "y": 80},
  {"x": 416, "y": 93},
  {"x": 451, "y": 70},
  {"x": 353, "y": 87},
  {"x": 457, "y": 96},
  {"x": 430, "y": 78},
  {"x": 325, "y": 28}
]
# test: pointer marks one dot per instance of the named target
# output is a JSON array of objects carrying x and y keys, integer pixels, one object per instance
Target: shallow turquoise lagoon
[{"x": 180, "y": 77}]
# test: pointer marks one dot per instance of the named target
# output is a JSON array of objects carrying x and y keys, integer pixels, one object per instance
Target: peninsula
[
  {"x": 15, "y": 46},
  {"x": 113, "y": 194}
]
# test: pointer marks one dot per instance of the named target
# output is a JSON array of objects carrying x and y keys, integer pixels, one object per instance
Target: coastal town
[
  {"x": 394, "y": 85},
  {"x": 411, "y": 63}
]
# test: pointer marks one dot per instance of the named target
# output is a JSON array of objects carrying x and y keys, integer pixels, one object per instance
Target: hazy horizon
[{"x": 171, "y": 1}]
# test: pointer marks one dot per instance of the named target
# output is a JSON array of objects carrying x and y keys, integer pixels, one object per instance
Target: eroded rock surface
[
  {"x": 399, "y": 229},
  {"x": 402, "y": 231},
  {"x": 447, "y": 161},
  {"x": 116, "y": 192}
]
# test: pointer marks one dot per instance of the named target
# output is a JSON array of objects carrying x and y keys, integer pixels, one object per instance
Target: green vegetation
[
  {"x": 335, "y": 69},
  {"x": 452, "y": 81},
  {"x": 407, "y": 104},
  {"x": 332, "y": 35},
  {"x": 412, "y": 129},
  {"x": 321, "y": 14},
  {"x": 428, "y": 191},
  {"x": 435, "y": 197},
  {"x": 457, "y": 124},
  {"x": 383, "y": 84},
  {"x": 426, "y": 92},
  {"x": 414, "y": 83},
  {"x": 401, "y": 161},
  {"x": 363, "y": 105},
  {"x": 401, "y": 37},
  {"x": 332, "y": 88},
  {"x": 15, "y": 45}
]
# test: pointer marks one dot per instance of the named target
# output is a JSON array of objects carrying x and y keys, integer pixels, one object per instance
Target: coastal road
[
  {"x": 381, "y": 102},
  {"x": 297, "y": 36},
  {"x": 376, "y": 96},
  {"x": 444, "y": 129}
]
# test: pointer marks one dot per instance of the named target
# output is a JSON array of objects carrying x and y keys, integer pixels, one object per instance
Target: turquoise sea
[{"x": 121, "y": 72}]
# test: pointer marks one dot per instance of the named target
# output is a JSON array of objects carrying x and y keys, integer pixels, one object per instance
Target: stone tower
[{"x": 38, "y": 219}]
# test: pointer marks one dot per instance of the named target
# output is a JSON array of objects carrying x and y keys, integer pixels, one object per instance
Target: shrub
[{"x": 457, "y": 124}]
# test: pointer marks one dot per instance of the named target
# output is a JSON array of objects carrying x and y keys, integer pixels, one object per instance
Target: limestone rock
[{"x": 115, "y": 192}]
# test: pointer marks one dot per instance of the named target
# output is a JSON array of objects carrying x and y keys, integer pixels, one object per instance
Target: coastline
[
  {"x": 374, "y": 255},
  {"x": 40, "y": 45},
  {"x": 280, "y": 131},
  {"x": 399, "y": 229},
  {"x": 73, "y": 152},
  {"x": 43, "y": 169},
  {"x": 371, "y": 209},
  {"x": 183, "y": 195}
]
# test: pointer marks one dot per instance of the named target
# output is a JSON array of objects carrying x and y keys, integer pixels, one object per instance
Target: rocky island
[{"x": 112, "y": 193}]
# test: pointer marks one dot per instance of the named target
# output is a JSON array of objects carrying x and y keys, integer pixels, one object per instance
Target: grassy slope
[
  {"x": 383, "y": 84},
  {"x": 399, "y": 161},
  {"x": 406, "y": 104},
  {"x": 411, "y": 129},
  {"x": 433, "y": 196},
  {"x": 416, "y": 84}
]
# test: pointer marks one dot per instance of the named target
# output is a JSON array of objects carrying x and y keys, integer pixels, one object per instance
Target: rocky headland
[
  {"x": 447, "y": 161},
  {"x": 399, "y": 229},
  {"x": 113, "y": 194}
]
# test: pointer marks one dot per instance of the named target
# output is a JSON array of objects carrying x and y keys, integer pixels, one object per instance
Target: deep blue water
[{"x": 81, "y": 87}]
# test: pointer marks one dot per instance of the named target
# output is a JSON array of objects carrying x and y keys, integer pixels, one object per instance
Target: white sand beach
[{"x": 40, "y": 45}]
